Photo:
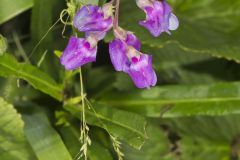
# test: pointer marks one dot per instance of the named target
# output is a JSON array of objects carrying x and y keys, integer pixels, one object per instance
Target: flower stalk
[{"x": 115, "y": 23}]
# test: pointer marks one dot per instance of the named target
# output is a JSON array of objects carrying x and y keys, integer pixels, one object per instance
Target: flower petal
[
  {"x": 117, "y": 50},
  {"x": 91, "y": 18},
  {"x": 77, "y": 53},
  {"x": 142, "y": 72},
  {"x": 159, "y": 17},
  {"x": 132, "y": 40},
  {"x": 173, "y": 22}
]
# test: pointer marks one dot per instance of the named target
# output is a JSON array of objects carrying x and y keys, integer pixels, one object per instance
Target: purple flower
[
  {"x": 125, "y": 56},
  {"x": 78, "y": 52},
  {"x": 141, "y": 71},
  {"x": 117, "y": 50},
  {"x": 93, "y": 19},
  {"x": 159, "y": 16}
]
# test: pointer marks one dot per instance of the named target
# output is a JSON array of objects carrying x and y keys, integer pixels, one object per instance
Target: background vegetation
[{"x": 192, "y": 114}]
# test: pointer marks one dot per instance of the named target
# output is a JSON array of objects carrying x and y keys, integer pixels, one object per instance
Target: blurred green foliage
[{"x": 192, "y": 114}]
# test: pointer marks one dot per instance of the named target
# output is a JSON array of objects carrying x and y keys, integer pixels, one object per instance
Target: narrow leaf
[
  {"x": 39, "y": 80},
  {"x": 175, "y": 101}
]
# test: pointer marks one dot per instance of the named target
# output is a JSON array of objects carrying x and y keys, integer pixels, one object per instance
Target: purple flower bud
[
  {"x": 159, "y": 16},
  {"x": 91, "y": 18},
  {"x": 126, "y": 57},
  {"x": 78, "y": 52}
]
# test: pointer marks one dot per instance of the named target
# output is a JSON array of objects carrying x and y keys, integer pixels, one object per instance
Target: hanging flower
[
  {"x": 94, "y": 20},
  {"x": 159, "y": 16},
  {"x": 126, "y": 57},
  {"x": 78, "y": 52},
  {"x": 141, "y": 71}
]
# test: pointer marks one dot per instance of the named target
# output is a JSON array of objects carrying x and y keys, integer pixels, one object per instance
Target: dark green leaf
[
  {"x": 95, "y": 150},
  {"x": 216, "y": 137},
  {"x": 156, "y": 146},
  {"x": 127, "y": 126},
  {"x": 3, "y": 45},
  {"x": 10, "y": 9},
  {"x": 174, "y": 101},
  {"x": 39, "y": 80},
  {"x": 13, "y": 142},
  {"x": 45, "y": 141}
]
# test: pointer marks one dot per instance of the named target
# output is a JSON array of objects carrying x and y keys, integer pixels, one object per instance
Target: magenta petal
[
  {"x": 77, "y": 53},
  {"x": 132, "y": 40},
  {"x": 117, "y": 50},
  {"x": 142, "y": 72},
  {"x": 159, "y": 18},
  {"x": 91, "y": 18}
]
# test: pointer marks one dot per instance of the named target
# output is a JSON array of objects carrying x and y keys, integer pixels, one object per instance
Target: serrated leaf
[
  {"x": 126, "y": 126},
  {"x": 38, "y": 79},
  {"x": 10, "y": 9},
  {"x": 179, "y": 100},
  {"x": 13, "y": 142}
]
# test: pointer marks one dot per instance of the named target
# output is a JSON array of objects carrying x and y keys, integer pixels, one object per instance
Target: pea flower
[
  {"x": 159, "y": 16},
  {"x": 92, "y": 19},
  {"x": 125, "y": 56},
  {"x": 79, "y": 51}
]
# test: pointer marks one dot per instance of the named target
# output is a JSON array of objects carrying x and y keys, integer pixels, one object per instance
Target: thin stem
[
  {"x": 20, "y": 48},
  {"x": 115, "y": 23},
  {"x": 84, "y": 128},
  {"x": 82, "y": 95}
]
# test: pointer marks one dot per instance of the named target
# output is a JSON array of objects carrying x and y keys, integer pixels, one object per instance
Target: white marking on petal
[{"x": 173, "y": 22}]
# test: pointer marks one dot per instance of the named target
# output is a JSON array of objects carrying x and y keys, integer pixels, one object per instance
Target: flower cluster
[{"x": 125, "y": 48}]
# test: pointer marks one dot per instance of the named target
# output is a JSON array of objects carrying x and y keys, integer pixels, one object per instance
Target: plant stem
[
  {"x": 115, "y": 23},
  {"x": 84, "y": 128},
  {"x": 82, "y": 95}
]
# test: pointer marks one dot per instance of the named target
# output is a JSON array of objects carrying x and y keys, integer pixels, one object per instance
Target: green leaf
[
  {"x": 202, "y": 149},
  {"x": 90, "y": 2},
  {"x": 39, "y": 80},
  {"x": 216, "y": 137},
  {"x": 174, "y": 65},
  {"x": 42, "y": 34},
  {"x": 10, "y": 9},
  {"x": 127, "y": 126},
  {"x": 206, "y": 27},
  {"x": 3, "y": 45},
  {"x": 71, "y": 136},
  {"x": 13, "y": 142},
  {"x": 156, "y": 146},
  {"x": 41, "y": 21},
  {"x": 175, "y": 101},
  {"x": 43, "y": 138}
]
